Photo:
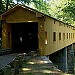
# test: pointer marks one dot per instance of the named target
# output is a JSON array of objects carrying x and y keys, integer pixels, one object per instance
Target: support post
[
  {"x": 65, "y": 56},
  {"x": 70, "y": 61}
]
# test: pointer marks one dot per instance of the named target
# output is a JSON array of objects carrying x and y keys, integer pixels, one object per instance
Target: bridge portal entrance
[{"x": 24, "y": 36}]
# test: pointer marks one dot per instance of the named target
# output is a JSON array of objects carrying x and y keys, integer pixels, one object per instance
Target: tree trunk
[
  {"x": 7, "y": 3},
  {"x": 0, "y": 6}
]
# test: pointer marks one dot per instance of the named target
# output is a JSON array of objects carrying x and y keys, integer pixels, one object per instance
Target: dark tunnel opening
[{"x": 24, "y": 37}]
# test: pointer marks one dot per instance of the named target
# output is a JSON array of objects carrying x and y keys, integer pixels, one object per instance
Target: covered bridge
[{"x": 25, "y": 29}]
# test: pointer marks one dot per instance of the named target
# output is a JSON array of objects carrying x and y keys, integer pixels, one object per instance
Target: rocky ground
[
  {"x": 31, "y": 65},
  {"x": 39, "y": 65}
]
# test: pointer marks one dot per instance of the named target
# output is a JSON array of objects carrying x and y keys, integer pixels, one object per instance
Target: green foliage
[
  {"x": 69, "y": 9},
  {"x": 2, "y": 7},
  {"x": 5, "y": 5},
  {"x": 24, "y": 1},
  {"x": 63, "y": 10},
  {"x": 69, "y": 12},
  {"x": 40, "y": 5},
  {"x": 56, "y": 8},
  {"x": 9, "y": 4}
]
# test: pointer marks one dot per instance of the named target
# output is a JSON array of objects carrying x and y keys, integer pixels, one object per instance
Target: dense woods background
[{"x": 63, "y": 10}]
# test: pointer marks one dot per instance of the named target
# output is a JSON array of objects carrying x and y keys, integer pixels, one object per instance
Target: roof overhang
[
  {"x": 38, "y": 14},
  {"x": 16, "y": 7}
]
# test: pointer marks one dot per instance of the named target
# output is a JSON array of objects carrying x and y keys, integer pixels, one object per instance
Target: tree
[
  {"x": 40, "y": 5},
  {"x": 5, "y": 5},
  {"x": 60, "y": 9},
  {"x": 63, "y": 10},
  {"x": 69, "y": 11},
  {"x": 2, "y": 8},
  {"x": 24, "y": 1},
  {"x": 9, "y": 4},
  {"x": 56, "y": 7}
]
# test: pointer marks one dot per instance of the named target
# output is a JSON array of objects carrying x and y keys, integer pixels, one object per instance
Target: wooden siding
[
  {"x": 45, "y": 25},
  {"x": 21, "y": 16},
  {"x": 6, "y": 35},
  {"x": 55, "y": 26},
  {"x": 41, "y": 36}
]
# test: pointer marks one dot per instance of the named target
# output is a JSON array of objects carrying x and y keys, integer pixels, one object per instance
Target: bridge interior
[{"x": 24, "y": 36}]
